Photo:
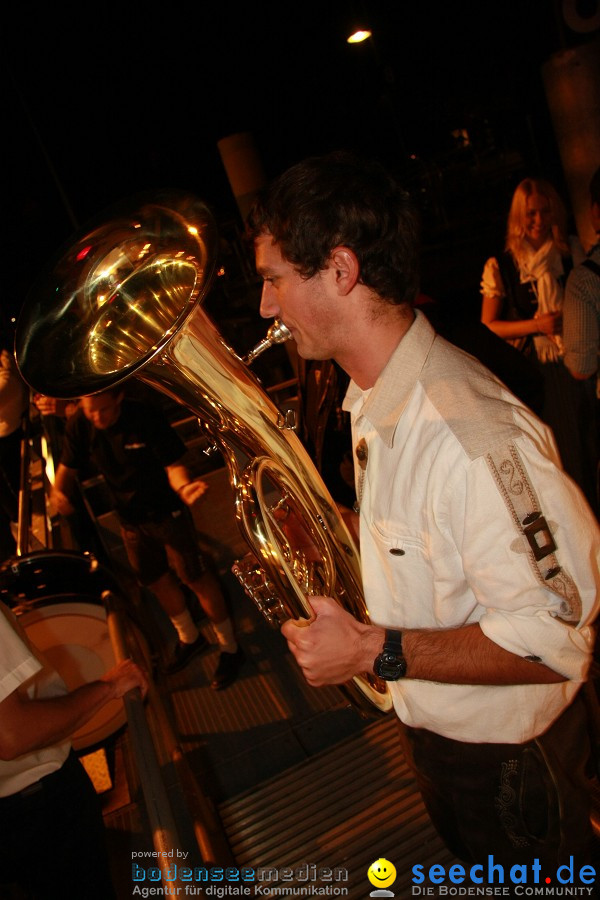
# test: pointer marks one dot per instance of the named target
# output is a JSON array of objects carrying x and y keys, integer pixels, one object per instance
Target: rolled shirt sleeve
[{"x": 539, "y": 635}]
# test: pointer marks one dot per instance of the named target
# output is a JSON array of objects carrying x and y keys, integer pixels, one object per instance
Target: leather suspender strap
[{"x": 536, "y": 537}]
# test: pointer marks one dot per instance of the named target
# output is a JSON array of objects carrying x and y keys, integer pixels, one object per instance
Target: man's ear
[{"x": 345, "y": 267}]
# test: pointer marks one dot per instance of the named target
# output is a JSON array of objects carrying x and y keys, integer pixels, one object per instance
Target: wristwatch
[{"x": 390, "y": 664}]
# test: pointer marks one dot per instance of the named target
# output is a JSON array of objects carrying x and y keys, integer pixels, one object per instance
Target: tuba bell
[{"x": 126, "y": 300}]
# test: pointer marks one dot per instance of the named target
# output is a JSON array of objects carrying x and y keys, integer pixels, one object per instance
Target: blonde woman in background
[{"x": 523, "y": 292}]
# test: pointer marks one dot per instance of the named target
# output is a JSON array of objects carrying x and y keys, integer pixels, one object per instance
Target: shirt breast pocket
[
  {"x": 401, "y": 571},
  {"x": 397, "y": 540}
]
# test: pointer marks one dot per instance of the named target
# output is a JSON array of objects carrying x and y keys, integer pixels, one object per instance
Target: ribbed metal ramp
[{"x": 344, "y": 807}]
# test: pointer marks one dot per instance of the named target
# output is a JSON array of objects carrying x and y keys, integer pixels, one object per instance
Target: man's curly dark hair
[{"x": 343, "y": 200}]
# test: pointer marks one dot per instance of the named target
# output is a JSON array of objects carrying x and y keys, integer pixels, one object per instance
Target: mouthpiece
[{"x": 277, "y": 334}]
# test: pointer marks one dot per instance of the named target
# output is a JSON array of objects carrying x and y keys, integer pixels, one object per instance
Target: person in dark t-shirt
[{"x": 140, "y": 457}]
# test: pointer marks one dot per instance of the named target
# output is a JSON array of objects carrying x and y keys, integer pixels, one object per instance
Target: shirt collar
[{"x": 391, "y": 391}]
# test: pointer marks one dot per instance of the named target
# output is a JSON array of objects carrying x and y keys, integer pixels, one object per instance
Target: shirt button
[{"x": 397, "y": 551}]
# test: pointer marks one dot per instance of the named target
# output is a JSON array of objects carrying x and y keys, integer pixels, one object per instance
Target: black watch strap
[
  {"x": 393, "y": 641},
  {"x": 391, "y": 664}
]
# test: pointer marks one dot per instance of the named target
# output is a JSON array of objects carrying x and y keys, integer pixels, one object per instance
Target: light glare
[{"x": 358, "y": 36}]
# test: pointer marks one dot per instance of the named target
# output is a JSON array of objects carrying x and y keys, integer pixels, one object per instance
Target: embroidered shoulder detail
[{"x": 524, "y": 507}]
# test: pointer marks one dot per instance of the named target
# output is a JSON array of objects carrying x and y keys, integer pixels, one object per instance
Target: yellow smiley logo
[{"x": 382, "y": 873}]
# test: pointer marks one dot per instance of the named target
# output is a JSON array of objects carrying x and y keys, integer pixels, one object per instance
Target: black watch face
[{"x": 390, "y": 667}]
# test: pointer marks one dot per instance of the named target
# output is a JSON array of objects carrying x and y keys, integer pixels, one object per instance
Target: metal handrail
[
  {"x": 165, "y": 835},
  {"x": 210, "y": 837}
]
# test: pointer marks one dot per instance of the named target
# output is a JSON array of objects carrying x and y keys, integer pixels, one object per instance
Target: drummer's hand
[{"x": 125, "y": 676}]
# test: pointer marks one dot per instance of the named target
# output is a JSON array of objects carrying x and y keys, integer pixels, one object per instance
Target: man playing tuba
[{"x": 479, "y": 555}]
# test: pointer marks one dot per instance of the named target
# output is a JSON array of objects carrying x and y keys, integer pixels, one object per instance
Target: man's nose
[{"x": 268, "y": 307}]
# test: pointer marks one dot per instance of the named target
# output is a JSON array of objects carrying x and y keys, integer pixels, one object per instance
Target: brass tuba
[{"x": 126, "y": 299}]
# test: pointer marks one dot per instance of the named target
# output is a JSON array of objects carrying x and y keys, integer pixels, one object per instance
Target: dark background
[{"x": 101, "y": 102}]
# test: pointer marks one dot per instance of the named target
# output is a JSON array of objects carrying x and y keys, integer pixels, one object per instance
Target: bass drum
[{"x": 57, "y": 597}]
